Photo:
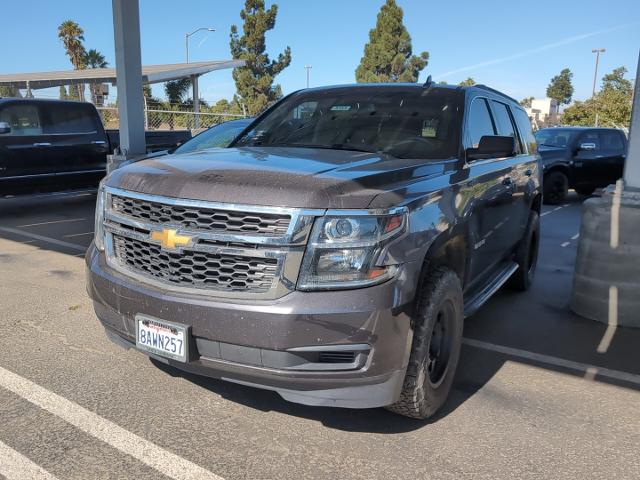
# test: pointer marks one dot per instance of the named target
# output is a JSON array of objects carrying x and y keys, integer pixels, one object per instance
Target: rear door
[
  {"x": 78, "y": 142},
  {"x": 612, "y": 151},
  {"x": 587, "y": 157},
  {"x": 23, "y": 156},
  {"x": 521, "y": 168}
]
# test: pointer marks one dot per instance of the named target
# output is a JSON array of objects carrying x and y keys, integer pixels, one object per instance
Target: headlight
[
  {"x": 343, "y": 251},
  {"x": 99, "y": 221}
]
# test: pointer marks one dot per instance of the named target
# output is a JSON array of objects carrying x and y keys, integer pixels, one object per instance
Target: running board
[{"x": 475, "y": 302}]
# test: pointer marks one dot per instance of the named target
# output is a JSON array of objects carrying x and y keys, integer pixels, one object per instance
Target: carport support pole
[
  {"x": 196, "y": 102},
  {"x": 126, "y": 32},
  {"x": 607, "y": 273}
]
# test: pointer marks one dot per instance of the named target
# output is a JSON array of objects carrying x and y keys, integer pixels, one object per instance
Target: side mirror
[
  {"x": 493, "y": 146},
  {"x": 5, "y": 127},
  {"x": 587, "y": 146}
]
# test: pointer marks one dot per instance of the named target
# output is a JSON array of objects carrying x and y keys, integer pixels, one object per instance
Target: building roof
[{"x": 150, "y": 74}]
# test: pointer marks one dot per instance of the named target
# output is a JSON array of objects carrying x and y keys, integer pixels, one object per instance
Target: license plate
[{"x": 163, "y": 338}]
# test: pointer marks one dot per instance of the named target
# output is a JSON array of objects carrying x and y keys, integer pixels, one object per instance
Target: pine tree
[
  {"x": 388, "y": 57},
  {"x": 560, "y": 88},
  {"x": 254, "y": 81}
]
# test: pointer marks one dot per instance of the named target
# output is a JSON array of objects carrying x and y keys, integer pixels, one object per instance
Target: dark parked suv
[
  {"x": 580, "y": 158},
  {"x": 331, "y": 252}
]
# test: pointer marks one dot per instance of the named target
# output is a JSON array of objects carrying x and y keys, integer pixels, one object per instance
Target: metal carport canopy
[{"x": 150, "y": 74}]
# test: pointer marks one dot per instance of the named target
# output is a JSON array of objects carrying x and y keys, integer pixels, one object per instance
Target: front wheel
[
  {"x": 436, "y": 345},
  {"x": 556, "y": 188}
]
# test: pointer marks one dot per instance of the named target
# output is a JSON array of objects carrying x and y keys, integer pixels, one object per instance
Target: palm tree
[
  {"x": 175, "y": 92},
  {"x": 72, "y": 37},
  {"x": 94, "y": 59}
]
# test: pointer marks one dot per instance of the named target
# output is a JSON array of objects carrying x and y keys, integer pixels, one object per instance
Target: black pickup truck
[
  {"x": 50, "y": 145},
  {"x": 332, "y": 251},
  {"x": 581, "y": 158}
]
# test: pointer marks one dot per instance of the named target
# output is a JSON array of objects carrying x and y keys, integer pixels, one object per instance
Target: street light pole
[
  {"x": 186, "y": 39},
  {"x": 597, "y": 51},
  {"x": 307, "y": 68}
]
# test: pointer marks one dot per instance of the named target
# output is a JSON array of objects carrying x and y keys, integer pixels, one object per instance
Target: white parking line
[
  {"x": 129, "y": 443},
  {"x": 565, "y": 244},
  {"x": 42, "y": 238},
  {"x": 576, "y": 236},
  {"x": 15, "y": 466},
  {"x": 583, "y": 368},
  {"x": 67, "y": 220},
  {"x": 78, "y": 234}
]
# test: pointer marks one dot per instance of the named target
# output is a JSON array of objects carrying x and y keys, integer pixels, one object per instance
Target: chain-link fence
[{"x": 171, "y": 119}]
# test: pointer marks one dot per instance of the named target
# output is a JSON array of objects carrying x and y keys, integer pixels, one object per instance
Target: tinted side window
[
  {"x": 503, "y": 121},
  {"x": 23, "y": 119},
  {"x": 69, "y": 118},
  {"x": 611, "y": 141},
  {"x": 524, "y": 126},
  {"x": 590, "y": 137},
  {"x": 479, "y": 122}
]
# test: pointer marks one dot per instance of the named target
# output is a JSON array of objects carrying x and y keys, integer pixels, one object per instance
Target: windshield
[
  {"x": 405, "y": 122},
  {"x": 217, "y": 136},
  {"x": 554, "y": 137}
]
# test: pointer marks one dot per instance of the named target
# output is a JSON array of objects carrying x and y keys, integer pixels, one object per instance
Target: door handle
[
  {"x": 42, "y": 144},
  {"x": 98, "y": 142},
  {"x": 528, "y": 172},
  {"x": 507, "y": 181}
]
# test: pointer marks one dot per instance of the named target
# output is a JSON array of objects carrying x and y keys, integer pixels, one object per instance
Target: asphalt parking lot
[{"x": 540, "y": 393}]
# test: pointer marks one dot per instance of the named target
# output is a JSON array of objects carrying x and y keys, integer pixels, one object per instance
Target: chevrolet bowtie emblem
[{"x": 170, "y": 240}]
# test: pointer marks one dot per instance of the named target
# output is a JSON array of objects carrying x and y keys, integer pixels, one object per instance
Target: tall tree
[
  {"x": 254, "y": 81},
  {"x": 615, "y": 81},
  {"x": 63, "y": 93},
  {"x": 612, "y": 103},
  {"x": 560, "y": 88},
  {"x": 388, "y": 56},
  {"x": 94, "y": 59},
  {"x": 469, "y": 82},
  {"x": 176, "y": 91},
  {"x": 526, "y": 102},
  {"x": 72, "y": 37}
]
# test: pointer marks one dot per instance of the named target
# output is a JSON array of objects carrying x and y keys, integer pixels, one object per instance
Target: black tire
[
  {"x": 436, "y": 345},
  {"x": 527, "y": 255},
  {"x": 556, "y": 187},
  {"x": 586, "y": 191}
]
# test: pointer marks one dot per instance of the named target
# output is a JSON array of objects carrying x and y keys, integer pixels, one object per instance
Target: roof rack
[{"x": 492, "y": 90}]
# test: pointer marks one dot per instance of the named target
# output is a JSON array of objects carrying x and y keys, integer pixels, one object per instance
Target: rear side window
[
  {"x": 611, "y": 141},
  {"x": 69, "y": 118},
  {"x": 524, "y": 126},
  {"x": 23, "y": 120},
  {"x": 479, "y": 123}
]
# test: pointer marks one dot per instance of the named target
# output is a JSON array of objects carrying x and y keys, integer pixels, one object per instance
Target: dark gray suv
[{"x": 331, "y": 252}]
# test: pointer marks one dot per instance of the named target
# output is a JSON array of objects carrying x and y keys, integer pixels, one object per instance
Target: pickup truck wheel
[
  {"x": 436, "y": 344},
  {"x": 527, "y": 255},
  {"x": 556, "y": 187}
]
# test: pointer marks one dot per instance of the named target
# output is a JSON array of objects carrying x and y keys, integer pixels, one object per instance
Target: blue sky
[{"x": 513, "y": 46}]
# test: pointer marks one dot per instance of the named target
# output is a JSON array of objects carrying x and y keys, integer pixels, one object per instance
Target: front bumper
[{"x": 265, "y": 343}]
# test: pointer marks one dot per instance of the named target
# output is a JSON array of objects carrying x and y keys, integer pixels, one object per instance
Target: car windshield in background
[
  {"x": 404, "y": 122},
  {"x": 217, "y": 136},
  {"x": 553, "y": 137}
]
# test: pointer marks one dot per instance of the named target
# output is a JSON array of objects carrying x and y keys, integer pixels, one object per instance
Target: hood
[
  {"x": 549, "y": 153},
  {"x": 274, "y": 176}
]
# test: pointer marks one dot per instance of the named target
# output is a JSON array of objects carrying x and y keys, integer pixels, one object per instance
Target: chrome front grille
[
  {"x": 201, "y": 270},
  {"x": 223, "y": 250},
  {"x": 202, "y": 218}
]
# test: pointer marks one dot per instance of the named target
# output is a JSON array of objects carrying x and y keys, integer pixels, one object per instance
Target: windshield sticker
[
  {"x": 341, "y": 108},
  {"x": 429, "y": 128}
]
